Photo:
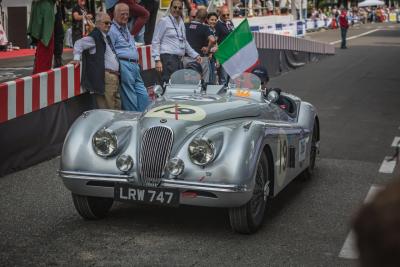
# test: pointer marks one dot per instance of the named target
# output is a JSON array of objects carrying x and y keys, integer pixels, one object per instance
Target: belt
[
  {"x": 173, "y": 55},
  {"x": 129, "y": 60},
  {"x": 112, "y": 72}
]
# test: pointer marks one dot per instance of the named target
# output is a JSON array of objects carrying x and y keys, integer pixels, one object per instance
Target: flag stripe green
[{"x": 236, "y": 40}]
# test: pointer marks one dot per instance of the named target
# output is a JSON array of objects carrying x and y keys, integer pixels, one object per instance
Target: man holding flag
[
  {"x": 238, "y": 52},
  {"x": 223, "y": 28}
]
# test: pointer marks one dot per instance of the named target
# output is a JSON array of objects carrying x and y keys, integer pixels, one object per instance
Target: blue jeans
[
  {"x": 134, "y": 95},
  {"x": 223, "y": 76},
  {"x": 212, "y": 79},
  {"x": 343, "y": 32}
]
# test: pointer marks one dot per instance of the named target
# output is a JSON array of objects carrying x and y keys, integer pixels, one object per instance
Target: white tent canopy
[{"x": 371, "y": 3}]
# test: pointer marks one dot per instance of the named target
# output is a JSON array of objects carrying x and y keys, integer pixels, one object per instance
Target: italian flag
[{"x": 238, "y": 52}]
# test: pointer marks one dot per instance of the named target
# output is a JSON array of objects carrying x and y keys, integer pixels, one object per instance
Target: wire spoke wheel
[
  {"x": 308, "y": 172},
  {"x": 313, "y": 151},
  {"x": 248, "y": 218},
  {"x": 257, "y": 202}
]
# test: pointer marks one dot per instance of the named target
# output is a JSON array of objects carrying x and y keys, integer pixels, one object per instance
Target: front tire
[
  {"x": 248, "y": 218},
  {"x": 92, "y": 208}
]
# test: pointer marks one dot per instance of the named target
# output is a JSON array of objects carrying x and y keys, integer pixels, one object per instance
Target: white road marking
[
  {"x": 396, "y": 142},
  {"x": 387, "y": 165},
  {"x": 355, "y": 36},
  {"x": 349, "y": 249}
]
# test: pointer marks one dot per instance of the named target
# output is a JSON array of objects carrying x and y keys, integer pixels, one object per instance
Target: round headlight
[
  {"x": 201, "y": 151},
  {"x": 124, "y": 163},
  {"x": 105, "y": 142},
  {"x": 175, "y": 166}
]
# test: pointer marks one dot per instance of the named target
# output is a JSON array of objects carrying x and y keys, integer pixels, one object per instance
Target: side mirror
[
  {"x": 158, "y": 90},
  {"x": 273, "y": 96}
]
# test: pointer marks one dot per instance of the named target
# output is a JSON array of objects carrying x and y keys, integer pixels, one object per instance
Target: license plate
[{"x": 161, "y": 196}]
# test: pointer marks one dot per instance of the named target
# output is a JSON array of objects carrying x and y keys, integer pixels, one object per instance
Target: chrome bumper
[{"x": 223, "y": 195}]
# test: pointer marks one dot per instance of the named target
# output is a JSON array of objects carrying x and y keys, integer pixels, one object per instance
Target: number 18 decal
[
  {"x": 281, "y": 158},
  {"x": 283, "y": 155}
]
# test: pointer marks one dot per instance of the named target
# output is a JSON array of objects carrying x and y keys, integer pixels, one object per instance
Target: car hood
[{"x": 192, "y": 113}]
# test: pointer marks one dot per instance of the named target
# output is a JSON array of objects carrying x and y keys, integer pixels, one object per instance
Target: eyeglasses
[
  {"x": 178, "y": 7},
  {"x": 225, "y": 15},
  {"x": 107, "y": 22}
]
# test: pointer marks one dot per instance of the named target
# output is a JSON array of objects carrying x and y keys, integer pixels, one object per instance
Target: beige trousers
[{"x": 111, "y": 98}]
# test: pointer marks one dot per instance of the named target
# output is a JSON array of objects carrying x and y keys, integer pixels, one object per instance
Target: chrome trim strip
[
  {"x": 94, "y": 176},
  {"x": 204, "y": 186},
  {"x": 224, "y": 188}
]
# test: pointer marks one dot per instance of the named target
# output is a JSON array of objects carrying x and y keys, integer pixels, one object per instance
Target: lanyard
[
  {"x": 126, "y": 38},
  {"x": 176, "y": 30}
]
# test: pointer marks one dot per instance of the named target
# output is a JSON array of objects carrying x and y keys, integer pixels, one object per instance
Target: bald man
[{"x": 134, "y": 95}]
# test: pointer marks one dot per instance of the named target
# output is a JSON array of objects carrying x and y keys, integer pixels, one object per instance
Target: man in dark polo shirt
[
  {"x": 223, "y": 28},
  {"x": 201, "y": 39}
]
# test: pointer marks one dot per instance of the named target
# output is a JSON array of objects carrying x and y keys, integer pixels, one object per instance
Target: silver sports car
[{"x": 234, "y": 148}]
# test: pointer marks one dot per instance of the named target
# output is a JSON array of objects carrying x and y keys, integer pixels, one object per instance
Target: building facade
[{"x": 15, "y": 18}]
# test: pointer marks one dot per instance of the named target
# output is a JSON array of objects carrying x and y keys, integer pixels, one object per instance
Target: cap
[{"x": 262, "y": 73}]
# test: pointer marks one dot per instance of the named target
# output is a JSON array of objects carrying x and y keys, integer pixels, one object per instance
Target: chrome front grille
[{"x": 155, "y": 149}]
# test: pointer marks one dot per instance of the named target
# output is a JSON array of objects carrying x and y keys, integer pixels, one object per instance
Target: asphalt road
[{"x": 357, "y": 94}]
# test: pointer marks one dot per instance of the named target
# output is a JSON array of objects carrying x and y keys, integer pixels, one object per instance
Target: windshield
[
  {"x": 247, "y": 81},
  {"x": 185, "y": 76}
]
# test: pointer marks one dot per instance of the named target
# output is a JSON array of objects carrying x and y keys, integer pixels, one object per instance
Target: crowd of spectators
[
  {"x": 188, "y": 35},
  {"x": 241, "y": 8},
  {"x": 191, "y": 44},
  {"x": 108, "y": 50},
  {"x": 354, "y": 14}
]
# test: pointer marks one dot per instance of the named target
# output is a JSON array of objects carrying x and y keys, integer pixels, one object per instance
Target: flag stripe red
[
  {"x": 148, "y": 56},
  {"x": 64, "y": 83},
  {"x": 19, "y": 88},
  {"x": 35, "y": 92},
  {"x": 3, "y": 102},
  {"x": 140, "y": 57},
  {"x": 77, "y": 81},
  {"x": 50, "y": 87}
]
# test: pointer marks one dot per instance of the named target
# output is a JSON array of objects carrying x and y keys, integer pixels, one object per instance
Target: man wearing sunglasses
[
  {"x": 100, "y": 66},
  {"x": 223, "y": 28},
  {"x": 169, "y": 43}
]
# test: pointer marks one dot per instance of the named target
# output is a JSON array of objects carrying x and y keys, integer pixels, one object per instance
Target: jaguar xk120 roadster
[{"x": 232, "y": 147}]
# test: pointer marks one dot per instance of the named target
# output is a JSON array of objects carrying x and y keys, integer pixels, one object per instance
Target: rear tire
[
  {"x": 248, "y": 218},
  {"x": 308, "y": 173},
  {"x": 92, "y": 208}
]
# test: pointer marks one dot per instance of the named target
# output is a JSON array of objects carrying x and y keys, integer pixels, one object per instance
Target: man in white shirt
[
  {"x": 169, "y": 43},
  {"x": 100, "y": 67}
]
